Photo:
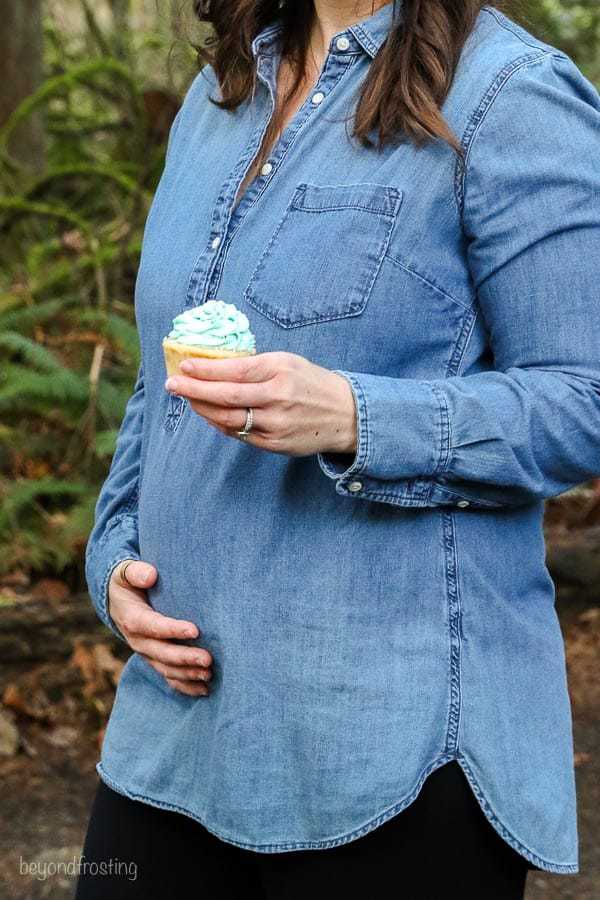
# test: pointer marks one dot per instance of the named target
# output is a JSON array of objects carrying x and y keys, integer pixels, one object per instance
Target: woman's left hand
[{"x": 299, "y": 408}]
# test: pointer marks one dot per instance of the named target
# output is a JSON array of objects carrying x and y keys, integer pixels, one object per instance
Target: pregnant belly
[{"x": 288, "y": 582}]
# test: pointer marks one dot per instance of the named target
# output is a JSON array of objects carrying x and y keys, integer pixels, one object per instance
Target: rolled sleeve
[{"x": 418, "y": 444}]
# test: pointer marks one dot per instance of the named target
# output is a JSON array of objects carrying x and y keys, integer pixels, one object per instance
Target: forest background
[{"x": 88, "y": 91}]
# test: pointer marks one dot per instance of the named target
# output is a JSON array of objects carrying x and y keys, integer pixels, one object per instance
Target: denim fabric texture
[{"x": 371, "y": 616}]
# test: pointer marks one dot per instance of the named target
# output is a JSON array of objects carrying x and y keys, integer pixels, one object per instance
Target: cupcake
[{"x": 215, "y": 329}]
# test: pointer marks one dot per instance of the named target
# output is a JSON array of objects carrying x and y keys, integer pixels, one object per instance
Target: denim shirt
[{"x": 374, "y": 615}]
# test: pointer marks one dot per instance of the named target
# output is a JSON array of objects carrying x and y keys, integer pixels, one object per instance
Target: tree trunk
[
  {"x": 121, "y": 26},
  {"x": 21, "y": 42}
]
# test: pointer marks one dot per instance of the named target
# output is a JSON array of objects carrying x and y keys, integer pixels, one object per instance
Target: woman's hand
[
  {"x": 150, "y": 633},
  {"x": 299, "y": 408}
]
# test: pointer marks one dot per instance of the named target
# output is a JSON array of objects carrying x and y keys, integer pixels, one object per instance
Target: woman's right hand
[{"x": 150, "y": 633}]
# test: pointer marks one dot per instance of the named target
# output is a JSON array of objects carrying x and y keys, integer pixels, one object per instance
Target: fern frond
[
  {"x": 20, "y": 494},
  {"x": 37, "y": 355},
  {"x": 82, "y": 75},
  {"x": 24, "y": 388},
  {"x": 95, "y": 172},
  {"x": 18, "y": 206}
]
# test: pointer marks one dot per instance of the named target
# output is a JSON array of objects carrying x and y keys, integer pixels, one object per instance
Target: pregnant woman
[{"x": 348, "y": 672}]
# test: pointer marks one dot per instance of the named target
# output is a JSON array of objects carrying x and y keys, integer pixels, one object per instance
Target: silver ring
[{"x": 248, "y": 426}]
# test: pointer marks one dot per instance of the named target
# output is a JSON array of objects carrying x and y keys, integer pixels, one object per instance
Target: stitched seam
[
  {"x": 369, "y": 209},
  {"x": 285, "y": 150},
  {"x": 250, "y": 292},
  {"x": 365, "y": 432},
  {"x": 478, "y": 115},
  {"x": 502, "y": 830},
  {"x": 364, "y": 829},
  {"x": 444, "y": 451},
  {"x": 454, "y": 613},
  {"x": 462, "y": 343},
  {"x": 363, "y": 455},
  {"x": 427, "y": 281},
  {"x": 506, "y": 23},
  {"x": 456, "y": 495},
  {"x": 285, "y": 323},
  {"x": 365, "y": 40},
  {"x": 392, "y": 194}
]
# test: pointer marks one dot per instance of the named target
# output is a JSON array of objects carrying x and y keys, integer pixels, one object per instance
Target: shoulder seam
[
  {"x": 479, "y": 113},
  {"x": 505, "y": 22}
]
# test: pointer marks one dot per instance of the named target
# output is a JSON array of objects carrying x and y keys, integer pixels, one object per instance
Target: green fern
[
  {"x": 70, "y": 243},
  {"x": 32, "y": 352},
  {"x": 87, "y": 75},
  {"x": 18, "y": 496}
]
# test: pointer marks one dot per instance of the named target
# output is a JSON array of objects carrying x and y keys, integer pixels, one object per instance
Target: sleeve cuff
[
  {"x": 403, "y": 432},
  {"x": 345, "y": 465}
]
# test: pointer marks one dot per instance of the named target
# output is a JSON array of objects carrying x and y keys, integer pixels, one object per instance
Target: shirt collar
[
  {"x": 372, "y": 32},
  {"x": 369, "y": 33}
]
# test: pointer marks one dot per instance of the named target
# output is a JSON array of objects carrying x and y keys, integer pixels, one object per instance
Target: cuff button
[
  {"x": 355, "y": 486},
  {"x": 463, "y": 503}
]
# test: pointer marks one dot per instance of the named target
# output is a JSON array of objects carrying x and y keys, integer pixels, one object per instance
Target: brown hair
[{"x": 406, "y": 83}]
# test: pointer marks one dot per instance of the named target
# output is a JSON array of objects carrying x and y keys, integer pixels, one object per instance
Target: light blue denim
[{"x": 371, "y": 617}]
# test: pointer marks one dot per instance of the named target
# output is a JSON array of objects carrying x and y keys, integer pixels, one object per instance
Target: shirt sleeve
[
  {"x": 114, "y": 536},
  {"x": 529, "y": 428}
]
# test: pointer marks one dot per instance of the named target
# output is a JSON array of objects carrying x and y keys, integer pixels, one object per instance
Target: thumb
[{"x": 139, "y": 574}]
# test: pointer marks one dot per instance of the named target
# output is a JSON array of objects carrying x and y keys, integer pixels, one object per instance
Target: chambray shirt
[{"x": 375, "y": 615}]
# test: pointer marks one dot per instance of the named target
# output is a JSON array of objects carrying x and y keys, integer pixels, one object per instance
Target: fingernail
[
  {"x": 171, "y": 383},
  {"x": 189, "y": 633},
  {"x": 186, "y": 366}
]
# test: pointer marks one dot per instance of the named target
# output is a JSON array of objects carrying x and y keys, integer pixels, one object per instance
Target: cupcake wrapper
[{"x": 175, "y": 352}]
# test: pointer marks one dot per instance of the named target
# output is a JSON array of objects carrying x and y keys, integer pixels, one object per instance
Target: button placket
[
  {"x": 332, "y": 71},
  {"x": 324, "y": 85}
]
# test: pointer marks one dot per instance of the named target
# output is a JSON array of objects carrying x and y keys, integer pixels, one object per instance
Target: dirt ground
[{"x": 59, "y": 711}]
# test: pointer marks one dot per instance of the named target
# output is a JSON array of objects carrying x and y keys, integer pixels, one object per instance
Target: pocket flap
[{"x": 382, "y": 199}]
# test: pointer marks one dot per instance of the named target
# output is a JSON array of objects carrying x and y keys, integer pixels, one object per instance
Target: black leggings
[{"x": 441, "y": 845}]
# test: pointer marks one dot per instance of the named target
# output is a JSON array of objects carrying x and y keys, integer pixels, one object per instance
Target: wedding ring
[
  {"x": 124, "y": 569},
  {"x": 248, "y": 426}
]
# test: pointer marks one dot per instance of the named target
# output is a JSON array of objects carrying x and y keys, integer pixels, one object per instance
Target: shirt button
[
  {"x": 342, "y": 43},
  {"x": 266, "y": 169},
  {"x": 215, "y": 242},
  {"x": 463, "y": 503},
  {"x": 355, "y": 486},
  {"x": 318, "y": 97}
]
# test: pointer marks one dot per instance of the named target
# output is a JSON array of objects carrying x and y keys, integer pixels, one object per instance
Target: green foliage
[
  {"x": 70, "y": 240},
  {"x": 572, "y": 26}
]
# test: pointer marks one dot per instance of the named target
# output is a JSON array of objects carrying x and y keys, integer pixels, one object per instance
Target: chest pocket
[{"x": 323, "y": 258}]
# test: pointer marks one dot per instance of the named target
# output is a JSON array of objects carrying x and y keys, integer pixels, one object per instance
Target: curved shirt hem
[{"x": 559, "y": 868}]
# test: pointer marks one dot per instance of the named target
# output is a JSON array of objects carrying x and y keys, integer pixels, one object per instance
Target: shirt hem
[{"x": 546, "y": 865}]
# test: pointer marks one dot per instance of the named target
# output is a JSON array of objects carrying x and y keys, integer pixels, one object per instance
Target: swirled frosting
[{"x": 213, "y": 324}]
